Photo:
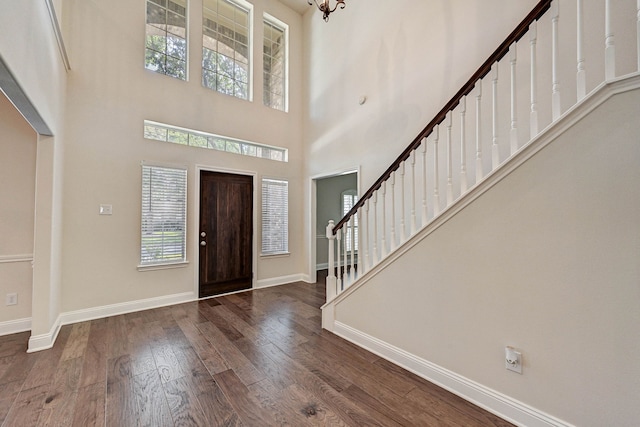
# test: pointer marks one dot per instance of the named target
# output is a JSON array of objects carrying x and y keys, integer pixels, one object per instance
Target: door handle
[
  {"x": 203, "y": 234},
  {"x": 203, "y": 243}
]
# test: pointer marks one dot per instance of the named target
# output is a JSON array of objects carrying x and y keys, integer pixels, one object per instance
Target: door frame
[
  {"x": 313, "y": 218},
  {"x": 195, "y": 229}
]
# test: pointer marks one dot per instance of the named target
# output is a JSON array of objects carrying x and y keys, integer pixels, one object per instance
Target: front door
[{"x": 226, "y": 233}]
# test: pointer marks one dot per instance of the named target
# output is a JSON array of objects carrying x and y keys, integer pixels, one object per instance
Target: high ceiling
[{"x": 300, "y": 6}]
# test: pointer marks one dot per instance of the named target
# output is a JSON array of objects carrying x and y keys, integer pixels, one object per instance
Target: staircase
[
  {"x": 480, "y": 131},
  {"x": 539, "y": 149}
]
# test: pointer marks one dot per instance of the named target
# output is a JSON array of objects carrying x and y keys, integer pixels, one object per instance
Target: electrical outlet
[
  {"x": 12, "y": 299},
  {"x": 513, "y": 360}
]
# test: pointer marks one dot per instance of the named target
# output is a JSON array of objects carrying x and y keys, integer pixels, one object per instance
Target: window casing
[
  {"x": 226, "y": 51},
  {"x": 166, "y": 37},
  {"x": 164, "y": 216},
  {"x": 275, "y": 52},
  {"x": 349, "y": 199},
  {"x": 275, "y": 217}
]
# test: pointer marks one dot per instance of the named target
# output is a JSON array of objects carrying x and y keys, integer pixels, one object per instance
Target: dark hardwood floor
[{"x": 256, "y": 359}]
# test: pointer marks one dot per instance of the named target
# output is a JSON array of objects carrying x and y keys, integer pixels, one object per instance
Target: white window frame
[
  {"x": 269, "y": 215},
  {"x": 270, "y": 20},
  {"x": 157, "y": 220},
  {"x": 195, "y": 138}
]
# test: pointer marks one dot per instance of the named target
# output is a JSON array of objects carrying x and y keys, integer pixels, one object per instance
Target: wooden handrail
[{"x": 484, "y": 69}]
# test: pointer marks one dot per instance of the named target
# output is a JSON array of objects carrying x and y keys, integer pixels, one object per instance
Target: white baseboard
[
  {"x": 45, "y": 341},
  {"x": 504, "y": 406},
  {"x": 15, "y": 326},
  {"x": 282, "y": 280},
  {"x": 322, "y": 266}
]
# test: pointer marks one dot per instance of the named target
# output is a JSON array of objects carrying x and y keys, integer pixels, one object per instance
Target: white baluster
[
  {"x": 383, "y": 239},
  {"x": 581, "y": 77},
  {"x": 533, "y": 116},
  {"x": 436, "y": 174},
  {"x": 375, "y": 228},
  {"x": 463, "y": 146},
  {"x": 638, "y": 32},
  {"x": 393, "y": 210},
  {"x": 423, "y": 218},
  {"x": 338, "y": 269},
  {"x": 513, "y": 133},
  {"x": 555, "y": 59},
  {"x": 365, "y": 243},
  {"x": 403, "y": 228},
  {"x": 495, "y": 149},
  {"x": 479, "y": 171},
  {"x": 353, "y": 247},
  {"x": 347, "y": 274},
  {"x": 449, "y": 161},
  {"x": 362, "y": 268},
  {"x": 413, "y": 225},
  {"x": 331, "y": 288},
  {"x": 609, "y": 43}
]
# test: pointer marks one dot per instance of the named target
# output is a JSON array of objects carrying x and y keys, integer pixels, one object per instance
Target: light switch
[{"x": 106, "y": 209}]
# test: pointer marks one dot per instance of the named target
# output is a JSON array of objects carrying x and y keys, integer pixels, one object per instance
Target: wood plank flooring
[{"x": 251, "y": 359}]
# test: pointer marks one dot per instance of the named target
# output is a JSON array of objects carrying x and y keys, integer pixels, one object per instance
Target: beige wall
[
  {"x": 29, "y": 49},
  {"x": 17, "y": 198},
  {"x": 546, "y": 261},
  {"x": 109, "y": 95}
]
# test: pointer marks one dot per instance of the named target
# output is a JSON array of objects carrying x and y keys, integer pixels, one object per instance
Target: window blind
[
  {"x": 164, "y": 215},
  {"x": 275, "y": 216}
]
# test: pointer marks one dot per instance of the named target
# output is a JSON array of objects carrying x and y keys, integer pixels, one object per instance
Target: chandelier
[{"x": 326, "y": 9}]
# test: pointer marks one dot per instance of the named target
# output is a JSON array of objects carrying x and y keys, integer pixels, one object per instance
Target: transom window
[
  {"x": 275, "y": 64},
  {"x": 226, "y": 44},
  {"x": 166, "y": 37}
]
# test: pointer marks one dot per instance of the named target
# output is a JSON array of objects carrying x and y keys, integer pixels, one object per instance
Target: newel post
[{"x": 331, "y": 277}]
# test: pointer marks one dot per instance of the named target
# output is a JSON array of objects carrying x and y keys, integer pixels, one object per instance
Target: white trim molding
[
  {"x": 495, "y": 402},
  {"x": 282, "y": 280},
  {"x": 56, "y": 29},
  {"x": 6, "y": 259},
  {"x": 46, "y": 341},
  {"x": 15, "y": 326}
]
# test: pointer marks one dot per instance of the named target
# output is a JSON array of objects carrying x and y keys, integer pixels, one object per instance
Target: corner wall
[{"x": 17, "y": 193}]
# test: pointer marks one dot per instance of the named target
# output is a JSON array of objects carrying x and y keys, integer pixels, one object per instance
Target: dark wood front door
[{"x": 226, "y": 233}]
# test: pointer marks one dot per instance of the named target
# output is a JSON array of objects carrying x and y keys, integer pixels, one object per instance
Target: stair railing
[{"x": 368, "y": 232}]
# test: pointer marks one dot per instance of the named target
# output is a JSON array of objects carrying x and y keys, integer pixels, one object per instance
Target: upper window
[
  {"x": 164, "y": 216},
  {"x": 275, "y": 64},
  {"x": 194, "y": 138},
  {"x": 275, "y": 217},
  {"x": 226, "y": 47},
  {"x": 166, "y": 45}
]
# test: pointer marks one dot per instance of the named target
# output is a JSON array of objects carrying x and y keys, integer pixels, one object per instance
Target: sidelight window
[
  {"x": 275, "y": 217},
  {"x": 164, "y": 216}
]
